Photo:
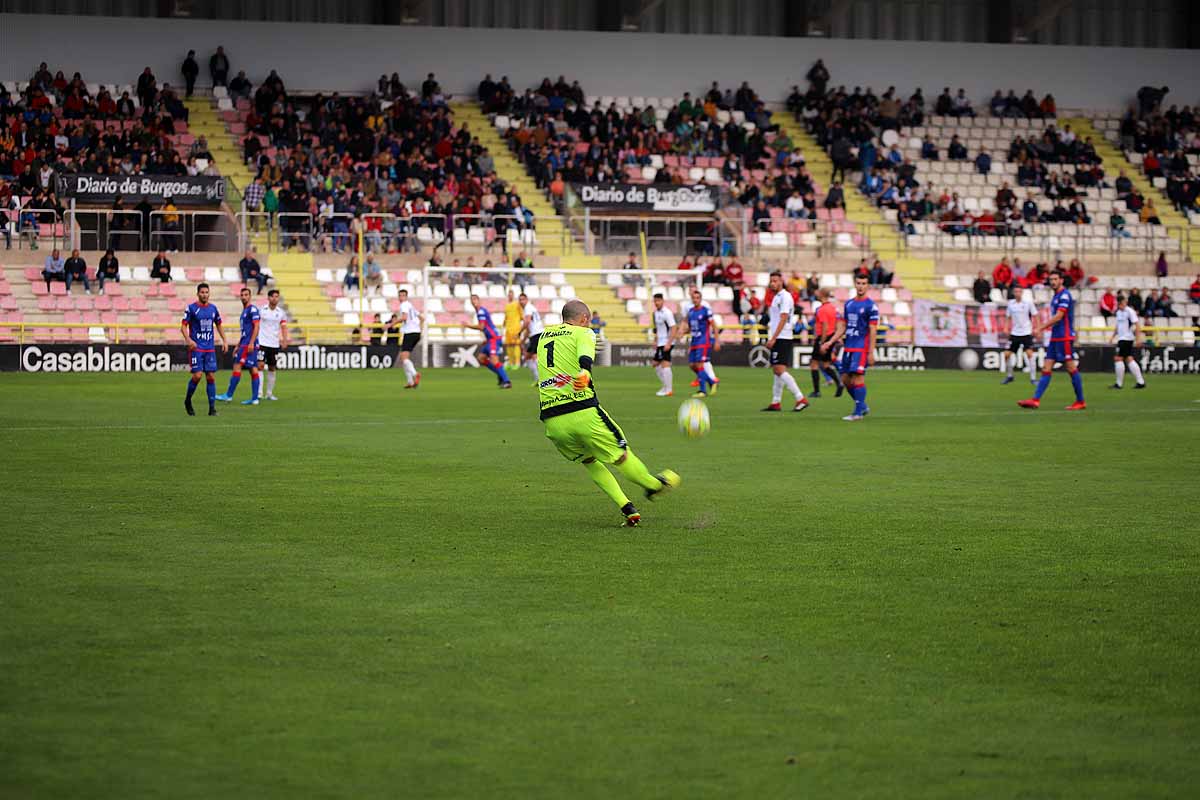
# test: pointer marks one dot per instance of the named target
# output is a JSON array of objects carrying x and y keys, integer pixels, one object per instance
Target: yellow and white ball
[{"x": 693, "y": 419}]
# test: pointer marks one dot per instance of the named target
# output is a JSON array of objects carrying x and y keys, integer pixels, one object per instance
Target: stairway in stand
[
  {"x": 883, "y": 236},
  {"x": 1114, "y": 161},
  {"x": 204, "y": 120},
  {"x": 303, "y": 297},
  {"x": 550, "y": 226}
]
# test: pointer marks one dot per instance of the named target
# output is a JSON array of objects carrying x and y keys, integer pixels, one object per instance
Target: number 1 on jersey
[{"x": 549, "y": 354}]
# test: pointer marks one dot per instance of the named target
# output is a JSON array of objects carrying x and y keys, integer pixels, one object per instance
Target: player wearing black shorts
[
  {"x": 1128, "y": 334},
  {"x": 779, "y": 328},
  {"x": 664, "y": 339},
  {"x": 410, "y": 336},
  {"x": 272, "y": 339},
  {"x": 824, "y": 361}
]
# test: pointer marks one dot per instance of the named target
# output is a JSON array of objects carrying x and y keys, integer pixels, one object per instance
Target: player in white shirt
[
  {"x": 531, "y": 331},
  {"x": 410, "y": 335},
  {"x": 664, "y": 340},
  {"x": 1128, "y": 335},
  {"x": 272, "y": 337},
  {"x": 1021, "y": 312},
  {"x": 779, "y": 340}
]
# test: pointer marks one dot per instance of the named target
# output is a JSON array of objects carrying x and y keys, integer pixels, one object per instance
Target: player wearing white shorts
[
  {"x": 1020, "y": 312},
  {"x": 779, "y": 342},
  {"x": 272, "y": 337},
  {"x": 410, "y": 336},
  {"x": 531, "y": 332},
  {"x": 1128, "y": 336},
  {"x": 664, "y": 340}
]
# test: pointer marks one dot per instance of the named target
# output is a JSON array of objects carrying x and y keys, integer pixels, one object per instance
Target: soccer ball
[{"x": 693, "y": 419}]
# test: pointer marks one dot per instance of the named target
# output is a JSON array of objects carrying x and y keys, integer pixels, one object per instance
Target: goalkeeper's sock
[
  {"x": 633, "y": 469},
  {"x": 607, "y": 483}
]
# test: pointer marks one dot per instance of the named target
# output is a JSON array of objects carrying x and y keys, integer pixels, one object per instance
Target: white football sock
[
  {"x": 777, "y": 389},
  {"x": 533, "y": 368},
  {"x": 1136, "y": 370},
  {"x": 271, "y": 382},
  {"x": 790, "y": 384},
  {"x": 1031, "y": 365},
  {"x": 410, "y": 369},
  {"x": 1120, "y": 369},
  {"x": 668, "y": 380},
  {"x": 1011, "y": 360},
  {"x": 708, "y": 370}
]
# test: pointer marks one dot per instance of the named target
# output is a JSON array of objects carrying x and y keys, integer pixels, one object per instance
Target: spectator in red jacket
[
  {"x": 1108, "y": 304},
  {"x": 1194, "y": 292},
  {"x": 734, "y": 273},
  {"x": 1002, "y": 276},
  {"x": 1075, "y": 273}
]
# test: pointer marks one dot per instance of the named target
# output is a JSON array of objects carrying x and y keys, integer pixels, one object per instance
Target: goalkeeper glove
[{"x": 581, "y": 382}]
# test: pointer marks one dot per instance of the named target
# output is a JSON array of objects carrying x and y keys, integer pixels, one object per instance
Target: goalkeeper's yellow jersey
[{"x": 560, "y": 350}]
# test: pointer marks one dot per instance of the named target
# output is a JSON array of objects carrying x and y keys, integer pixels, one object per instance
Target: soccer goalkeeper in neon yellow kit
[{"x": 576, "y": 423}]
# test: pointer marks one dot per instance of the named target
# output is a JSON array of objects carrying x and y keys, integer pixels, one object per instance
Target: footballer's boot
[
  {"x": 699, "y": 395},
  {"x": 187, "y": 406},
  {"x": 212, "y": 411},
  {"x": 1078, "y": 405},
  {"x": 632, "y": 517},
  {"x": 1139, "y": 386},
  {"x": 1032, "y": 402},
  {"x": 1006, "y": 381},
  {"x": 1115, "y": 386},
  {"x": 817, "y": 393},
  {"x": 801, "y": 404},
  {"x": 773, "y": 407},
  {"x": 695, "y": 382},
  {"x": 669, "y": 479}
]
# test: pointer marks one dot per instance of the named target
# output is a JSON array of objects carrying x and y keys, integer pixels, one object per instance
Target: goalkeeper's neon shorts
[{"x": 587, "y": 433}]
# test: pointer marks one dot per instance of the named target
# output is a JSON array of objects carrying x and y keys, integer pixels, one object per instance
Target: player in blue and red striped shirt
[
  {"x": 856, "y": 327},
  {"x": 1062, "y": 345},
  {"x": 493, "y": 344},
  {"x": 200, "y": 320},
  {"x": 247, "y": 352}
]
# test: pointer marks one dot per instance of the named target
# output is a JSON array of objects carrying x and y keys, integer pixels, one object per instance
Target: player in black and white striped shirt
[{"x": 1128, "y": 335}]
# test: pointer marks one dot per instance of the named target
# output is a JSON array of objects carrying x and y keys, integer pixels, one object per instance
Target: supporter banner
[
  {"x": 174, "y": 358},
  {"x": 639, "y": 197},
  {"x": 958, "y": 325},
  {"x": 200, "y": 190}
]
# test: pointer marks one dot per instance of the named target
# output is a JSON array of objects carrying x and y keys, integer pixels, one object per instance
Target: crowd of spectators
[
  {"x": 560, "y": 139},
  {"x": 849, "y": 124},
  {"x": 395, "y": 153},
  {"x": 1011, "y": 273},
  {"x": 1165, "y": 138}
]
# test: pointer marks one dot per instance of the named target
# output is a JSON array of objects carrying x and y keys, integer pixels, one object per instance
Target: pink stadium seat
[
  {"x": 120, "y": 304},
  {"x": 194, "y": 274},
  {"x": 138, "y": 303},
  {"x": 823, "y": 214},
  {"x": 45, "y": 304},
  {"x": 114, "y": 289},
  {"x": 39, "y": 289},
  {"x": 166, "y": 290},
  {"x": 163, "y": 318},
  {"x": 9, "y": 303},
  {"x": 134, "y": 336},
  {"x": 334, "y": 290},
  {"x": 151, "y": 290},
  {"x": 5, "y": 288},
  {"x": 625, "y": 293},
  {"x": 72, "y": 317},
  {"x": 91, "y": 318},
  {"x": 837, "y": 213},
  {"x": 176, "y": 304},
  {"x": 110, "y": 318},
  {"x": 103, "y": 302},
  {"x": 33, "y": 274},
  {"x": 58, "y": 289},
  {"x": 64, "y": 303},
  {"x": 84, "y": 303}
]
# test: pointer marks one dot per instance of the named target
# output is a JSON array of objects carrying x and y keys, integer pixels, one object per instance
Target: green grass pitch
[{"x": 361, "y": 591}]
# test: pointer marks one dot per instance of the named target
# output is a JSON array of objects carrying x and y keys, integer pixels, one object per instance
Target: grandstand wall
[{"x": 111, "y": 49}]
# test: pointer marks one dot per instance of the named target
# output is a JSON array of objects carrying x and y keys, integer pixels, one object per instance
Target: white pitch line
[{"x": 331, "y": 423}]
